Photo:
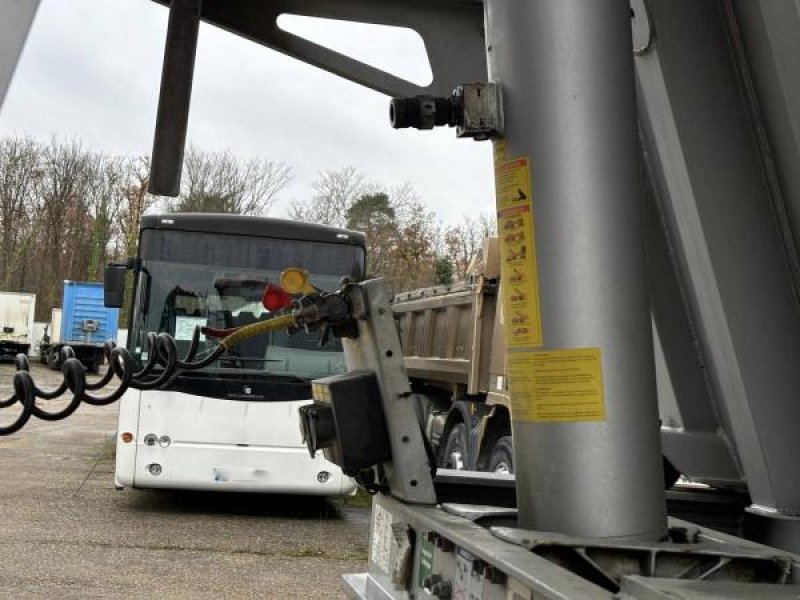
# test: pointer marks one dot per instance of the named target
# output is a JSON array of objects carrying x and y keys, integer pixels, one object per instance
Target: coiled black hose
[{"x": 161, "y": 367}]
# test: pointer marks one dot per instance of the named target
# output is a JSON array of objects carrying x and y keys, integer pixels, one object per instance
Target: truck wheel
[
  {"x": 502, "y": 458},
  {"x": 456, "y": 451}
]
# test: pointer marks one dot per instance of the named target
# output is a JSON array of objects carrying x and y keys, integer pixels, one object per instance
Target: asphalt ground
[{"x": 67, "y": 533}]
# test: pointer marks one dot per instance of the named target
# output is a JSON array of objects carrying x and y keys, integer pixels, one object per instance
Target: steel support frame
[
  {"x": 566, "y": 68},
  {"x": 466, "y": 530},
  {"x": 377, "y": 349},
  {"x": 718, "y": 208},
  {"x": 451, "y": 30}
]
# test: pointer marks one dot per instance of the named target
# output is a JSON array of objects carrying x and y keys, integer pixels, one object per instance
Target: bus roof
[{"x": 252, "y": 226}]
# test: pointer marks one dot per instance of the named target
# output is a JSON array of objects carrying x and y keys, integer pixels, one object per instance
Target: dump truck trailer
[{"x": 452, "y": 339}]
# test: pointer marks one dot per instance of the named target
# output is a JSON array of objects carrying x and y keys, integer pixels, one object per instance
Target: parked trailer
[
  {"x": 83, "y": 323},
  {"x": 16, "y": 323}
]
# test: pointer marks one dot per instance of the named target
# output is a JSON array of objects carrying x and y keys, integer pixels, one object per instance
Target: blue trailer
[{"x": 86, "y": 325}]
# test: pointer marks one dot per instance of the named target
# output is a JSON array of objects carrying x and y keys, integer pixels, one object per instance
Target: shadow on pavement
[{"x": 242, "y": 504}]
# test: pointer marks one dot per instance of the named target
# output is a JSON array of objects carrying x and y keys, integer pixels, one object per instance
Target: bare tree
[
  {"x": 463, "y": 240},
  {"x": 418, "y": 231},
  {"x": 221, "y": 182},
  {"x": 61, "y": 194},
  {"x": 19, "y": 170},
  {"x": 104, "y": 200},
  {"x": 134, "y": 202},
  {"x": 334, "y": 193}
]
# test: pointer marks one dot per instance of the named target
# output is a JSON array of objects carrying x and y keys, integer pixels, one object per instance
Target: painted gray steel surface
[
  {"x": 16, "y": 17},
  {"x": 567, "y": 75},
  {"x": 729, "y": 251}
]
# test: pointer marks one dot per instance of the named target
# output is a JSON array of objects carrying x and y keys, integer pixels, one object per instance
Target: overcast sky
[{"x": 91, "y": 69}]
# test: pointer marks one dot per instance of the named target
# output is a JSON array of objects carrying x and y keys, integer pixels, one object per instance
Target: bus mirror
[{"x": 114, "y": 285}]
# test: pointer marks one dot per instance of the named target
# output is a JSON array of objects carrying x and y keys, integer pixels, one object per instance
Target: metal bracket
[
  {"x": 377, "y": 349},
  {"x": 452, "y": 31}
]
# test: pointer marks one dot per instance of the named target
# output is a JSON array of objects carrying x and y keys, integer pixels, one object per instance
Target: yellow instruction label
[
  {"x": 499, "y": 147},
  {"x": 519, "y": 273},
  {"x": 556, "y": 385}
]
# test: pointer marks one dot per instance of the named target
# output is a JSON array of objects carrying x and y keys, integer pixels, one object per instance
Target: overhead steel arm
[{"x": 16, "y": 19}]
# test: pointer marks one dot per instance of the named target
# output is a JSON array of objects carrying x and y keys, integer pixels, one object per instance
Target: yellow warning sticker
[
  {"x": 556, "y": 386},
  {"x": 499, "y": 146},
  {"x": 515, "y": 225}
]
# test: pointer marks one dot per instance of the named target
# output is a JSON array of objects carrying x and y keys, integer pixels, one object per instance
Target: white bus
[{"x": 232, "y": 426}]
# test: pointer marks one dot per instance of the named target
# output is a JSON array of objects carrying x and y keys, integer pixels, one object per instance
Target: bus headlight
[
  {"x": 323, "y": 476},
  {"x": 164, "y": 441},
  {"x": 150, "y": 439},
  {"x": 154, "y": 469}
]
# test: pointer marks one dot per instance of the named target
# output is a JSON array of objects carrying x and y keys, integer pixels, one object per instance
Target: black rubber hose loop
[
  {"x": 152, "y": 346},
  {"x": 194, "y": 345},
  {"x": 23, "y": 391},
  {"x": 66, "y": 353},
  {"x": 104, "y": 380},
  {"x": 170, "y": 351},
  {"x": 125, "y": 379},
  {"x": 52, "y": 394},
  {"x": 21, "y": 362},
  {"x": 74, "y": 378},
  {"x": 186, "y": 362},
  {"x": 120, "y": 367},
  {"x": 218, "y": 351},
  {"x": 10, "y": 401}
]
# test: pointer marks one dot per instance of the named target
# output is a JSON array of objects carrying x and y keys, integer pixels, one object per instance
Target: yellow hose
[{"x": 255, "y": 329}]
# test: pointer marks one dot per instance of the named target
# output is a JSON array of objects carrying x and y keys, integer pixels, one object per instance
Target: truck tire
[
  {"x": 455, "y": 452},
  {"x": 501, "y": 459}
]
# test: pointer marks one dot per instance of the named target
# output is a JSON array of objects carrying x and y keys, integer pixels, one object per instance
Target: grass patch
[{"x": 360, "y": 499}]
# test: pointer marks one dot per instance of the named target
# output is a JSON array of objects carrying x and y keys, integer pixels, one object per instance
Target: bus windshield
[{"x": 190, "y": 279}]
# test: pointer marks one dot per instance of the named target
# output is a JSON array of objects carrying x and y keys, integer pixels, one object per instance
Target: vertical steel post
[
  {"x": 175, "y": 98},
  {"x": 566, "y": 68}
]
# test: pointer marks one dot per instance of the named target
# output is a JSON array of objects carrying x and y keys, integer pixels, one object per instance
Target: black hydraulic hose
[
  {"x": 152, "y": 345},
  {"x": 204, "y": 362},
  {"x": 163, "y": 353},
  {"x": 193, "y": 347},
  {"x": 108, "y": 347},
  {"x": 22, "y": 364},
  {"x": 171, "y": 350},
  {"x": 10, "y": 401},
  {"x": 186, "y": 362},
  {"x": 23, "y": 392},
  {"x": 74, "y": 379},
  {"x": 125, "y": 375}
]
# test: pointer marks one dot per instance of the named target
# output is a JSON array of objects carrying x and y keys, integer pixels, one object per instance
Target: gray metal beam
[
  {"x": 719, "y": 210},
  {"x": 452, "y": 31},
  {"x": 16, "y": 18}
]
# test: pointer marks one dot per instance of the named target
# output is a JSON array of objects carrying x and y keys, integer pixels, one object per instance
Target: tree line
[{"x": 66, "y": 211}]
